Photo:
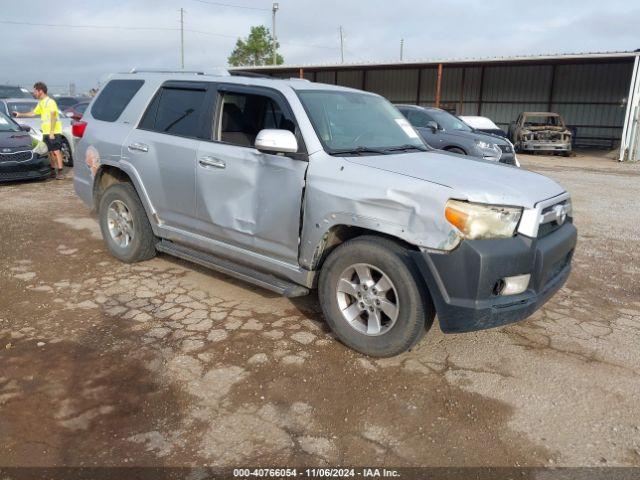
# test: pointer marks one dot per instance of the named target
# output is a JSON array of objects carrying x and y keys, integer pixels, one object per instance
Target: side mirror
[
  {"x": 276, "y": 141},
  {"x": 25, "y": 128},
  {"x": 433, "y": 126}
]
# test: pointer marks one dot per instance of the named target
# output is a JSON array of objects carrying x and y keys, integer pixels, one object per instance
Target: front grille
[
  {"x": 16, "y": 156},
  {"x": 24, "y": 175},
  {"x": 549, "y": 227},
  {"x": 508, "y": 160}
]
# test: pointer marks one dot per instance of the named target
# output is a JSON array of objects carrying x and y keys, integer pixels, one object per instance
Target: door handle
[
  {"x": 139, "y": 147},
  {"x": 209, "y": 161}
]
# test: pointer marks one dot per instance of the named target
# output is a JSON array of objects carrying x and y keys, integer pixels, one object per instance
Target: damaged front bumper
[
  {"x": 541, "y": 145},
  {"x": 462, "y": 283}
]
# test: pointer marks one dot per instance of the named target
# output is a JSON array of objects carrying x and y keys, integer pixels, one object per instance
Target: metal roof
[{"x": 473, "y": 60}]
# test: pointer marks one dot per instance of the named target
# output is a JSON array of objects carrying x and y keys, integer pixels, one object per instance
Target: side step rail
[{"x": 228, "y": 267}]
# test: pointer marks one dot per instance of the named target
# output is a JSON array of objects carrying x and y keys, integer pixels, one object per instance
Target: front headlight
[
  {"x": 485, "y": 145},
  {"x": 476, "y": 221},
  {"x": 39, "y": 148}
]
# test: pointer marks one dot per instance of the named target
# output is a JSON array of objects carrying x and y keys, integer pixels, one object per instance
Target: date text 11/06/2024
[{"x": 315, "y": 472}]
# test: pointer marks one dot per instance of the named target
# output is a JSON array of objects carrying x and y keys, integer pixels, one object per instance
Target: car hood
[
  {"x": 470, "y": 178},
  {"x": 15, "y": 141},
  {"x": 478, "y": 135}
]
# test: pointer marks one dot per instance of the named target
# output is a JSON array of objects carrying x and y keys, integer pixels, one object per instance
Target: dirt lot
[{"x": 164, "y": 363}]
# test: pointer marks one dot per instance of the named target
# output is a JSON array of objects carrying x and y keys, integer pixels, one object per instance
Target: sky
[{"x": 85, "y": 49}]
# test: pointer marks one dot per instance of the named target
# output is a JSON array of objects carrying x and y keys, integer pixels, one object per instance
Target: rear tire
[
  {"x": 124, "y": 224},
  {"x": 405, "y": 311}
]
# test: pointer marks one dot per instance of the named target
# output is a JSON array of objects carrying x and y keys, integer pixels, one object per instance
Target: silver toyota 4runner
[{"x": 294, "y": 186}]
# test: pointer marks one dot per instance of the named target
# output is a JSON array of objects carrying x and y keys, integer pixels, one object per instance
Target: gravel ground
[{"x": 164, "y": 363}]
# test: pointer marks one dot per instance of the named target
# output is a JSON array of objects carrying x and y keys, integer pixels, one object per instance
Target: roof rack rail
[
  {"x": 240, "y": 73},
  {"x": 218, "y": 71}
]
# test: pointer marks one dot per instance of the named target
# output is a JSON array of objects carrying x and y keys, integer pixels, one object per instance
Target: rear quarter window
[{"x": 114, "y": 98}]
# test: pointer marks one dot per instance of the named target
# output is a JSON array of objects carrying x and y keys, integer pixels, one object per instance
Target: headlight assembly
[
  {"x": 477, "y": 221},
  {"x": 40, "y": 148},
  {"x": 489, "y": 150},
  {"x": 485, "y": 145}
]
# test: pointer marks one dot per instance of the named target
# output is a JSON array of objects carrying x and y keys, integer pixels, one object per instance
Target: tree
[{"x": 256, "y": 49}]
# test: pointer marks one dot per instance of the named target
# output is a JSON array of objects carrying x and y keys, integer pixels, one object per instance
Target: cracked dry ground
[{"x": 164, "y": 363}]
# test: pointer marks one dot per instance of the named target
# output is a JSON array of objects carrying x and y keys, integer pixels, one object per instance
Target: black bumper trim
[{"x": 461, "y": 282}]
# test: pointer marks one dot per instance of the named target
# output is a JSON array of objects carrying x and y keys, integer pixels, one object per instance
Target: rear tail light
[{"x": 78, "y": 128}]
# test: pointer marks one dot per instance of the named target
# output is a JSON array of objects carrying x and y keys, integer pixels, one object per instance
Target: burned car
[{"x": 540, "y": 132}]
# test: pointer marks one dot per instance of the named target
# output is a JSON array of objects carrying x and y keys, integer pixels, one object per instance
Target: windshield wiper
[
  {"x": 405, "y": 148},
  {"x": 359, "y": 151}
]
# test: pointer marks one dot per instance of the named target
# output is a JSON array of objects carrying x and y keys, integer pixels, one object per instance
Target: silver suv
[{"x": 294, "y": 186}]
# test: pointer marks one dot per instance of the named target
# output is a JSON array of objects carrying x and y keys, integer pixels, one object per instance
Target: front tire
[
  {"x": 124, "y": 224},
  {"x": 373, "y": 297}
]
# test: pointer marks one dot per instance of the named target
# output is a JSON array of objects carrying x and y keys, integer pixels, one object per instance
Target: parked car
[
  {"x": 21, "y": 156},
  {"x": 483, "y": 124},
  {"x": 541, "y": 132},
  {"x": 12, "y": 91},
  {"x": 65, "y": 102},
  {"x": 76, "y": 111},
  {"x": 23, "y": 105},
  {"x": 444, "y": 131},
  {"x": 293, "y": 186}
]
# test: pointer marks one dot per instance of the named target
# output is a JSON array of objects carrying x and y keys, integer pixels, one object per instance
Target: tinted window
[
  {"x": 418, "y": 118},
  {"x": 244, "y": 115},
  {"x": 176, "y": 111},
  {"x": 114, "y": 98},
  {"x": 447, "y": 121},
  {"x": 13, "y": 92},
  {"x": 22, "y": 107}
]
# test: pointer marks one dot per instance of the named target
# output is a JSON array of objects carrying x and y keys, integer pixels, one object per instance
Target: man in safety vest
[{"x": 47, "y": 108}]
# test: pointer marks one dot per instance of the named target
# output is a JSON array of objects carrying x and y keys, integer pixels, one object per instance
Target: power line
[
  {"x": 170, "y": 29},
  {"x": 232, "y": 6},
  {"x": 64, "y": 25}
]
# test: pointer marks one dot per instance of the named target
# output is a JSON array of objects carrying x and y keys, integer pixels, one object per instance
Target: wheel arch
[
  {"x": 108, "y": 175},
  {"x": 448, "y": 148},
  {"x": 340, "y": 233}
]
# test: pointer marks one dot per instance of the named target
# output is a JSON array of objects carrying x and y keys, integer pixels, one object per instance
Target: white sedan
[{"x": 8, "y": 105}]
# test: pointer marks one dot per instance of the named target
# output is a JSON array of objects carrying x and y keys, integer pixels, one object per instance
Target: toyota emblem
[{"x": 560, "y": 213}]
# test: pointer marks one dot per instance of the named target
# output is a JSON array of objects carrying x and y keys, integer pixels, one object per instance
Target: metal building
[{"x": 596, "y": 93}]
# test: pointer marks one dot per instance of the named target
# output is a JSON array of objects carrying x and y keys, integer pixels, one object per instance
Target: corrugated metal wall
[{"x": 590, "y": 96}]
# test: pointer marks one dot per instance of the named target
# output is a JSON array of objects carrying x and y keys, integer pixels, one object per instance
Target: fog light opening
[
  {"x": 498, "y": 287},
  {"x": 513, "y": 285}
]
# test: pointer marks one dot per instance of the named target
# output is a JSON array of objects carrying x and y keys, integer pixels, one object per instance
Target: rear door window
[
  {"x": 114, "y": 98},
  {"x": 178, "y": 111}
]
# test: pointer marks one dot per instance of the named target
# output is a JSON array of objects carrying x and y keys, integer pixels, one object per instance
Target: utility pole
[
  {"x": 182, "y": 38},
  {"x": 401, "y": 49},
  {"x": 273, "y": 32},
  {"x": 341, "y": 44}
]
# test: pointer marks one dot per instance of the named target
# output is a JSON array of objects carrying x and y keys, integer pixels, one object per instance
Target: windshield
[
  {"x": 446, "y": 121},
  {"x": 22, "y": 107},
  {"x": 542, "y": 121},
  {"x": 13, "y": 92},
  {"x": 354, "y": 121},
  {"x": 8, "y": 125}
]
